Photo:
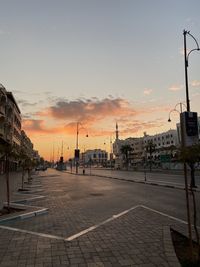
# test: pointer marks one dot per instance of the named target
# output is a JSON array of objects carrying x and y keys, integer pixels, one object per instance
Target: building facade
[
  {"x": 3, "y": 102},
  {"x": 160, "y": 145},
  {"x": 10, "y": 130},
  {"x": 94, "y": 157}
]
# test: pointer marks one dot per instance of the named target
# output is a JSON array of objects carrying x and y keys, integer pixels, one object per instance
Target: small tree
[
  {"x": 150, "y": 148},
  {"x": 8, "y": 151},
  {"x": 191, "y": 155},
  {"x": 125, "y": 150}
]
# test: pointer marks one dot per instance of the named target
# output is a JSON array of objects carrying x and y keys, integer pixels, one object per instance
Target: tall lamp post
[
  {"x": 186, "y": 56},
  {"x": 182, "y": 139},
  {"x": 77, "y": 151}
]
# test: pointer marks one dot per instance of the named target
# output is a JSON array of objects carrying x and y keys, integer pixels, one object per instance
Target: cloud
[
  {"x": 195, "y": 83},
  {"x": 62, "y": 117},
  {"x": 89, "y": 110},
  {"x": 176, "y": 87},
  {"x": 25, "y": 103},
  {"x": 33, "y": 125},
  {"x": 138, "y": 126},
  {"x": 147, "y": 91}
]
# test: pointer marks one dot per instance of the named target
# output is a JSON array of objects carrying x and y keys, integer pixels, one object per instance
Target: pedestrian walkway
[{"x": 138, "y": 236}]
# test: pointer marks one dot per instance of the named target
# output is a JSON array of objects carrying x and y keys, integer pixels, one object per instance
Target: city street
[
  {"x": 175, "y": 178},
  {"x": 93, "y": 221}
]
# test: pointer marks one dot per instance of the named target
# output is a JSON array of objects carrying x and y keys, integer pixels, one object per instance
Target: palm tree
[{"x": 125, "y": 150}]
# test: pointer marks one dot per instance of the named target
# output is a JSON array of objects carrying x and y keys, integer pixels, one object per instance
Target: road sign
[{"x": 189, "y": 125}]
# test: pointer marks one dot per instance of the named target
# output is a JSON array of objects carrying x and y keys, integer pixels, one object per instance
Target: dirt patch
[
  {"x": 182, "y": 249},
  {"x": 11, "y": 210}
]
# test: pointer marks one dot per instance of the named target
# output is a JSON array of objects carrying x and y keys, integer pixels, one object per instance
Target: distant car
[{"x": 41, "y": 168}]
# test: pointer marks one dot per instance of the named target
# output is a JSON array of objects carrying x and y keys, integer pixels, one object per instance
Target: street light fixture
[{"x": 176, "y": 110}]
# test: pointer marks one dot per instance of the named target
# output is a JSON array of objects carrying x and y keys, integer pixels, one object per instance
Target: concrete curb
[
  {"x": 169, "y": 248},
  {"x": 29, "y": 191},
  {"x": 26, "y": 200},
  {"x": 134, "y": 181},
  {"x": 24, "y": 215}
]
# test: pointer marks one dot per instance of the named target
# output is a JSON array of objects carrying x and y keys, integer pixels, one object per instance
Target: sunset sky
[{"x": 97, "y": 62}]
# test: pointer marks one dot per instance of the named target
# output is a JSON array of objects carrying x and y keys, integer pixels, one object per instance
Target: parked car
[{"x": 41, "y": 168}]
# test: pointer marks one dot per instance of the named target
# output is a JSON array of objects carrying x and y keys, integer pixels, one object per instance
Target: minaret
[{"x": 117, "y": 132}]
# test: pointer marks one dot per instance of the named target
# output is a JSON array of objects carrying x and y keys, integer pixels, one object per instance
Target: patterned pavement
[{"x": 80, "y": 229}]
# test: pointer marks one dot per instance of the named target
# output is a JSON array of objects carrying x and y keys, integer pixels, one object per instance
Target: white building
[
  {"x": 94, "y": 156},
  {"x": 162, "y": 143}
]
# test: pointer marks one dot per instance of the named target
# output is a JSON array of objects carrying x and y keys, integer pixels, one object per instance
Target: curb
[
  {"x": 169, "y": 248},
  {"x": 29, "y": 191},
  {"x": 25, "y": 215},
  {"x": 141, "y": 182},
  {"x": 26, "y": 200}
]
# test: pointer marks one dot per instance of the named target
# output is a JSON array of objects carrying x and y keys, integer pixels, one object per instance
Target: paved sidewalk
[
  {"x": 138, "y": 236},
  {"x": 131, "y": 240}
]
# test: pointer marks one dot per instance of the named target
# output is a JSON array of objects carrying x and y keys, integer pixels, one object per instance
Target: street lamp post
[
  {"x": 77, "y": 151},
  {"x": 186, "y": 57},
  {"x": 182, "y": 141}
]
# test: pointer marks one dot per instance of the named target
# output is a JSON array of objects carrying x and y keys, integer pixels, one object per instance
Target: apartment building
[
  {"x": 3, "y": 101},
  {"x": 13, "y": 118},
  {"x": 26, "y": 145},
  {"x": 139, "y": 153},
  {"x": 10, "y": 125}
]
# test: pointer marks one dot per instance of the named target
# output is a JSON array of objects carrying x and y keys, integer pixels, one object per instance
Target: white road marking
[
  {"x": 70, "y": 238},
  {"x": 166, "y": 215},
  {"x": 31, "y": 232}
]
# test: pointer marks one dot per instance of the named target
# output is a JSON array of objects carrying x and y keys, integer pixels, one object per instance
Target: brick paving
[{"x": 140, "y": 237}]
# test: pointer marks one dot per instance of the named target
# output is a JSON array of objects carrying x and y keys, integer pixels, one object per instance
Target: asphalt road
[
  {"x": 166, "y": 178},
  {"x": 76, "y": 202},
  {"x": 162, "y": 199}
]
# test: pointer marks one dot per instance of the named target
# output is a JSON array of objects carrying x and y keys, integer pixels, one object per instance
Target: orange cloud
[
  {"x": 89, "y": 110},
  {"x": 147, "y": 91},
  {"x": 195, "y": 83},
  {"x": 97, "y": 116},
  {"x": 38, "y": 126},
  {"x": 176, "y": 87}
]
